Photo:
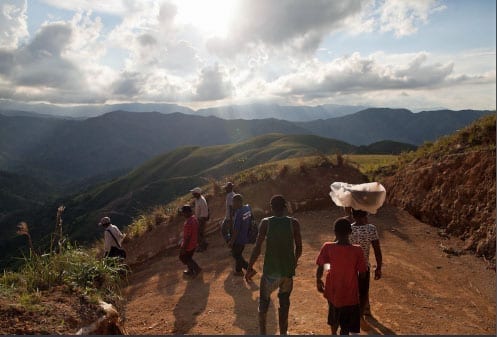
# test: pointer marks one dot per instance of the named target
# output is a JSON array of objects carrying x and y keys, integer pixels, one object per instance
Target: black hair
[
  {"x": 186, "y": 209},
  {"x": 238, "y": 197},
  {"x": 278, "y": 203},
  {"x": 359, "y": 213},
  {"x": 342, "y": 227}
]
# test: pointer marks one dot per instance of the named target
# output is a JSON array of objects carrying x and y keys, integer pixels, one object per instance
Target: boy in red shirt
[
  {"x": 342, "y": 288},
  {"x": 190, "y": 241}
]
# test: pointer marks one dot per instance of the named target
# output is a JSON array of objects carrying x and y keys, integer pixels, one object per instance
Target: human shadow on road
[
  {"x": 374, "y": 327},
  {"x": 191, "y": 304},
  {"x": 246, "y": 307}
]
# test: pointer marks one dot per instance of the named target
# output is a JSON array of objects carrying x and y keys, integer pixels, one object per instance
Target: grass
[
  {"x": 480, "y": 135},
  {"x": 369, "y": 164},
  {"x": 79, "y": 270}
]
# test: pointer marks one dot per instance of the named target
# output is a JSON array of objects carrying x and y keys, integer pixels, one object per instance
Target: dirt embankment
[{"x": 455, "y": 192}]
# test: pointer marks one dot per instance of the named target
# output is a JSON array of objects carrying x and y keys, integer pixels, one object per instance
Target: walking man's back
[{"x": 283, "y": 249}]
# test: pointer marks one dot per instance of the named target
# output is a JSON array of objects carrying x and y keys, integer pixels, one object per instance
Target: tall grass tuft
[{"x": 76, "y": 268}]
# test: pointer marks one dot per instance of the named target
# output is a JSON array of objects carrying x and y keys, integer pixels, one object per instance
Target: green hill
[{"x": 170, "y": 175}]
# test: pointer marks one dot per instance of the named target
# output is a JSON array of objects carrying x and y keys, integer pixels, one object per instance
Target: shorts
[
  {"x": 348, "y": 318},
  {"x": 270, "y": 284}
]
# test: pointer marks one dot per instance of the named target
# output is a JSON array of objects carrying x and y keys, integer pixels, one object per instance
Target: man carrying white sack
[{"x": 362, "y": 198}]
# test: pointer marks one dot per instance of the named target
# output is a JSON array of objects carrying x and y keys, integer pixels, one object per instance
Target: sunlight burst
[{"x": 210, "y": 17}]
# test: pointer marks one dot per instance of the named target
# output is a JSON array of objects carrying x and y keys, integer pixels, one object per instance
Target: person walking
[
  {"x": 241, "y": 224},
  {"x": 227, "y": 224},
  {"x": 283, "y": 250},
  {"x": 189, "y": 242},
  {"x": 342, "y": 285},
  {"x": 366, "y": 235},
  {"x": 202, "y": 214},
  {"x": 113, "y": 239}
]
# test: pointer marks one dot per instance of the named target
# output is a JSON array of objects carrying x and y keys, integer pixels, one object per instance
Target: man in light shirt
[
  {"x": 112, "y": 237},
  {"x": 202, "y": 214}
]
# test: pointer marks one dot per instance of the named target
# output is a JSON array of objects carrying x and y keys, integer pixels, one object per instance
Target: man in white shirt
[
  {"x": 202, "y": 214},
  {"x": 112, "y": 237}
]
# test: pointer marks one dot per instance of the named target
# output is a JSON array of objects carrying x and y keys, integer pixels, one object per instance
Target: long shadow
[
  {"x": 377, "y": 328},
  {"x": 246, "y": 307},
  {"x": 190, "y": 305}
]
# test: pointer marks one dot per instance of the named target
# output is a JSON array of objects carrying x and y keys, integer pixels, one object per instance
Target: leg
[
  {"x": 192, "y": 265},
  {"x": 364, "y": 293},
  {"x": 286, "y": 287},
  {"x": 185, "y": 259},
  {"x": 240, "y": 263},
  {"x": 236, "y": 252},
  {"x": 266, "y": 287},
  {"x": 332, "y": 318},
  {"x": 201, "y": 234}
]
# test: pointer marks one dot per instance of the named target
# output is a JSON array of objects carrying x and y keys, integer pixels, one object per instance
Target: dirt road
[{"x": 423, "y": 291}]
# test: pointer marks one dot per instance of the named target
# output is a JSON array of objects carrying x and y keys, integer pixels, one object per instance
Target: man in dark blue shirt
[{"x": 241, "y": 224}]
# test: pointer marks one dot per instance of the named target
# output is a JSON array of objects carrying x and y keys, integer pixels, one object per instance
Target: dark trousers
[
  {"x": 187, "y": 259},
  {"x": 202, "y": 243},
  {"x": 364, "y": 291},
  {"x": 237, "y": 252}
]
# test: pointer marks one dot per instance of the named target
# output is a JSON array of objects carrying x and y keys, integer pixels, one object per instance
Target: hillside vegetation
[
  {"x": 70, "y": 151},
  {"x": 451, "y": 184}
]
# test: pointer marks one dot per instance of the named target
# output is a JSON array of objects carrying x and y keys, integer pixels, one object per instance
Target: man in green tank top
[{"x": 283, "y": 249}]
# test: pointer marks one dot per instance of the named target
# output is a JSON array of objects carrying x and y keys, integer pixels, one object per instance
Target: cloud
[
  {"x": 355, "y": 74},
  {"x": 293, "y": 23},
  {"x": 40, "y": 63},
  {"x": 13, "y": 24},
  {"x": 402, "y": 17},
  {"x": 147, "y": 40},
  {"x": 128, "y": 85},
  {"x": 212, "y": 85}
]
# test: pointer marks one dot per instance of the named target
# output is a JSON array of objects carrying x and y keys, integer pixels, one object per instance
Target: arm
[
  {"x": 120, "y": 235},
  {"x": 107, "y": 244},
  {"x": 297, "y": 237},
  {"x": 319, "y": 275},
  {"x": 379, "y": 258},
  {"x": 257, "y": 248}
]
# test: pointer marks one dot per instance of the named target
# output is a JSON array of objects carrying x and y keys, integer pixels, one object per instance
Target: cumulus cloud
[
  {"x": 402, "y": 17},
  {"x": 40, "y": 63},
  {"x": 357, "y": 74},
  {"x": 290, "y": 22},
  {"x": 212, "y": 85},
  {"x": 13, "y": 25}
]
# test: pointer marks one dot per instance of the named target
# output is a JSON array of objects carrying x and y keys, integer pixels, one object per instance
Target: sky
[{"x": 415, "y": 54}]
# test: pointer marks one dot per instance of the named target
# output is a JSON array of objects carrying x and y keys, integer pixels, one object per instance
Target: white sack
[{"x": 367, "y": 197}]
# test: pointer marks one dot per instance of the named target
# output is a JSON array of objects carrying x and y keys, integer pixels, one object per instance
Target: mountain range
[
  {"x": 69, "y": 151},
  {"x": 246, "y": 111}
]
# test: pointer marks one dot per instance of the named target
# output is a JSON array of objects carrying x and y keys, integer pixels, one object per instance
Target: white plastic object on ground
[{"x": 368, "y": 197}]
